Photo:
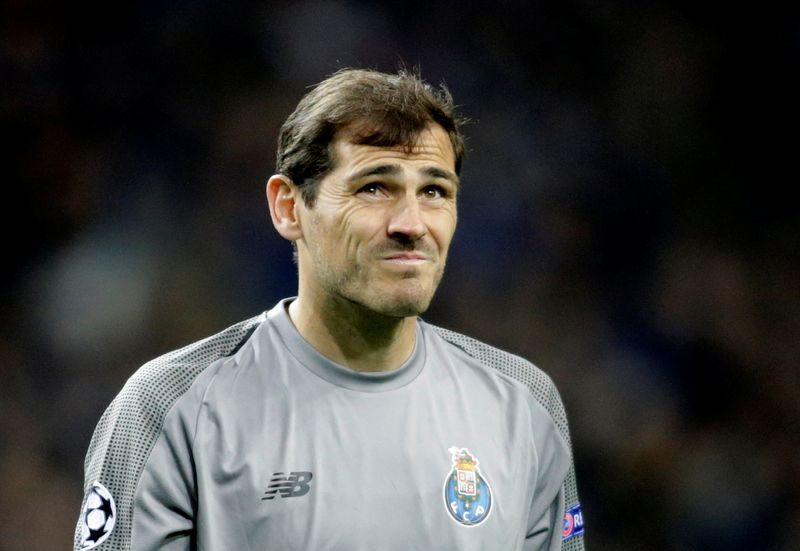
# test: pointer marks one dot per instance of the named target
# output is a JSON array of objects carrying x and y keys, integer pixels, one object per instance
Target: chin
[
  {"x": 396, "y": 299},
  {"x": 405, "y": 306},
  {"x": 399, "y": 305}
]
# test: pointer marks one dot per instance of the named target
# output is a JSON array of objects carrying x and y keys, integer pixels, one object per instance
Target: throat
[{"x": 354, "y": 336}]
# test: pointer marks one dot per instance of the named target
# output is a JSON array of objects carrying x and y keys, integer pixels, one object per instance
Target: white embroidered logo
[{"x": 98, "y": 517}]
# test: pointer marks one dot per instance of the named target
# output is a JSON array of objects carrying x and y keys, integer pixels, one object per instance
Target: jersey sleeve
[
  {"x": 165, "y": 498},
  {"x": 562, "y": 518},
  {"x": 570, "y": 518},
  {"x": 549, "y": 527},
  {"x": 117, "y": 459},
  {"x": 138, "y": 440},
  {"x": 545, "y": 532}
]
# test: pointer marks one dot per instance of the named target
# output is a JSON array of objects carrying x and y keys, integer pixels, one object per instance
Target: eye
[
  {"x": 434, "y": 192},
  {"x": 372, "y": 188}
]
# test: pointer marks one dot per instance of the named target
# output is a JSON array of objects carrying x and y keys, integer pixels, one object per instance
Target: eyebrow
[
  {"x": 434, "y": 172},
  {"x": 394, "y": 170}
]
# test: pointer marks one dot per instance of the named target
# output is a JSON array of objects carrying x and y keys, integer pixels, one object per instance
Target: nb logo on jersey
[{"x": 294, "y": 485}]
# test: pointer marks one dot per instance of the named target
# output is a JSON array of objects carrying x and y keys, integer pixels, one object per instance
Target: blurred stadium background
[{"x": 626, "y": 224}]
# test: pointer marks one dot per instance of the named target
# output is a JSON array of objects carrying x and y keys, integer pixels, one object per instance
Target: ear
[{"x": 284, "y": 198}]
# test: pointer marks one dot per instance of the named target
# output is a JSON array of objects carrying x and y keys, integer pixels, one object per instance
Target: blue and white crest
[{"x": 467, "y": 494}]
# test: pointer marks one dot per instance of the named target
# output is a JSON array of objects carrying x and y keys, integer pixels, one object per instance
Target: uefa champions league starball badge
[
  {"x": 467, "y": 494},
  {"x": 98, "y": 517}
]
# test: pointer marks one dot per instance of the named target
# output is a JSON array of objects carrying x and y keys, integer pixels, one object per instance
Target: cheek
[
  {"x": 359, "y": 227},
  {"x": 442, "y": 228}
]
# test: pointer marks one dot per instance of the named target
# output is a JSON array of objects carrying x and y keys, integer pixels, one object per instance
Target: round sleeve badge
[
  {"x": 98, "y": 516},
  {"x": 467, "y": 494}
]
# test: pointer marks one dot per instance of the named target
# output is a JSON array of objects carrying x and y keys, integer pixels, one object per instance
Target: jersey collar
[{"x": 338, "y": 374}]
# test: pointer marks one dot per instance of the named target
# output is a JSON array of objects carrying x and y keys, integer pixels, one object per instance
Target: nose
[{"x": 406, "y": 222}]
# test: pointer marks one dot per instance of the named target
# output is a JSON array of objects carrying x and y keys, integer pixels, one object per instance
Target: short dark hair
[{"x": 379, "y": 109}]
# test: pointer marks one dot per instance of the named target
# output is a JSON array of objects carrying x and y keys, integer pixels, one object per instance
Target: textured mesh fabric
[
  {"x": 543, "y": 390},
  {"x": 129, "y": 428}
]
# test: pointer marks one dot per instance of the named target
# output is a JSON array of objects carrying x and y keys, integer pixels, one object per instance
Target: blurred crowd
[{"x": 625, "y": 224}]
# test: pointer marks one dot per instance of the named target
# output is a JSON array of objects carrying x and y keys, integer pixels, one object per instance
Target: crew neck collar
[{"x": 338, "y": 374}]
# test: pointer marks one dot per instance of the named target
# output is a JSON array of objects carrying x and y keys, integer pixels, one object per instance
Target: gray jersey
[{"x": 251, "y": 439}]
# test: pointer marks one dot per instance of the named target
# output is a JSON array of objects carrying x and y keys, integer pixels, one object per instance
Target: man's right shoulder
[
  {"x": 131, "y": 423},
  {"x": 130, "y": 426},
  {"x": 172, "y": 373}
]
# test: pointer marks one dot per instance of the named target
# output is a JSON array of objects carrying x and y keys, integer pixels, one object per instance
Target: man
[{"x": 338, "y": 419}]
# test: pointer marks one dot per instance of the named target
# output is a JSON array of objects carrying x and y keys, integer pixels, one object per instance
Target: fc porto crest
[
  {"x": 98, "y": 517},
  {"x": 467, "y": 494}
]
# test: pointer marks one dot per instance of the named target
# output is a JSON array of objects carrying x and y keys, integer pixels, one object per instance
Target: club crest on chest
[{"x": 467, "y": 494}]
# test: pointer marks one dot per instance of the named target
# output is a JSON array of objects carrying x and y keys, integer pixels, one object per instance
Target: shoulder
[
  {"x": 127, "y": 432},
  {"x": 132, "y": 421},
  {"x": 537, "y": 382},
  {"x": 174, "y": 371},
  {"x": 516, "y": 367},
  {"x": 164, "y": 379}
]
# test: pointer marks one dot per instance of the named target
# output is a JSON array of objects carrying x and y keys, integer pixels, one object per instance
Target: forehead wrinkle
[
  {"x": 388, "y": 169},
  {"x": 430, "y": 149}
]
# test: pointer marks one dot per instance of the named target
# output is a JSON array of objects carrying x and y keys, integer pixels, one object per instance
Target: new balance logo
[{"x": 294, "y": 485}]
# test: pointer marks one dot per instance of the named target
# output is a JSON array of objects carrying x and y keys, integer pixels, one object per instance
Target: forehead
[{"x": 431, "y": 146}]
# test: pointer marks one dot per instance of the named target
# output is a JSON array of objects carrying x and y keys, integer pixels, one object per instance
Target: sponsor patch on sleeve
[{"x": 573, "y": 522}]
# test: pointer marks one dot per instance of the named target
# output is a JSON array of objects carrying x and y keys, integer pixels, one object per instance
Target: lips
[{"x": 406, "y": 257}]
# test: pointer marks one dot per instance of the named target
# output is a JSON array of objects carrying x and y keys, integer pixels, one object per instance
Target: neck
[{"x": 352, "y": 335}]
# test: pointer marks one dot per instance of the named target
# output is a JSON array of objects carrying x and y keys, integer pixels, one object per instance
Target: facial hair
[{"x": 363, "y": 283}]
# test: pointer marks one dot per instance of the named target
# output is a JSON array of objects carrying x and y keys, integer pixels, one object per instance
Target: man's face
[{"x": 381, "y": 226}]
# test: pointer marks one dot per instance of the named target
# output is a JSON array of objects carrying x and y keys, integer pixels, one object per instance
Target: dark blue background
[{"x": 626, "y": 223}]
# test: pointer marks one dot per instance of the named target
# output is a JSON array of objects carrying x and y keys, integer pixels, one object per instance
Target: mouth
[{"x": 406, "y": 258}]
